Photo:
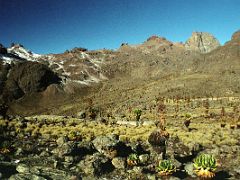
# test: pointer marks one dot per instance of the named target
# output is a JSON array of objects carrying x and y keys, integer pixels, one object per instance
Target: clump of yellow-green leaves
[
  {"x": 74, "y": 136},
  {"x": 165, "y": 168},
  {"x": 205, "y": 166},
  {"x": 138, "y": 113},
  {"x": 133, "y": 159}
]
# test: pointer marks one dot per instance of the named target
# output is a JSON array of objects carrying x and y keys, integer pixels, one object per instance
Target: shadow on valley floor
[{"x": 221, "y": 175}]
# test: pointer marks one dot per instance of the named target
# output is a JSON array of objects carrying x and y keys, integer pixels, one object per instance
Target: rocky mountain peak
[
  {"x": 78, "y": 50},
  {"x": 156, "y": 43},
  {"x": 157, "y": 40},
  {"x": 20, "y": 51},
  {"x": 202, "y": 42},
  {"x": 236, "y": 35}
]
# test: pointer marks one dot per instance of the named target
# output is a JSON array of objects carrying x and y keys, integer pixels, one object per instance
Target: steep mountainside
[{"x": 133, "y": 75}]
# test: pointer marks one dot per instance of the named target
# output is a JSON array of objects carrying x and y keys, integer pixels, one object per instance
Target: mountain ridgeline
[{"x": 64, "y": 83}]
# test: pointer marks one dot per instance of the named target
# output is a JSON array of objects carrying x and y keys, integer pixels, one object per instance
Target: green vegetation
[
  {"x": 74, "y": 136},
  {"x": 138, "y": 113},
  {"x": 165, "y": 168},
  {"x": 93, "y": 112},
  {"x": 133, "y": 160},
  {"x": 4, "y": 150},
  {"x": 205, "y": 166},
  {"x": 219, "y": 133},
  {"x": 187, "y": 115}
]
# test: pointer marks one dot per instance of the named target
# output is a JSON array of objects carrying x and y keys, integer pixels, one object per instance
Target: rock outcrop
[
  {"x": 235, "y": 40},
  {"x": 3, "y": 50},
  {"x": 157, "y": 43},
  {"x": 236, "y": 35},
  {"x": 4, "y": 69},
  {"x": 202, "y": 42},
  {"x": 26, "y": 78}
]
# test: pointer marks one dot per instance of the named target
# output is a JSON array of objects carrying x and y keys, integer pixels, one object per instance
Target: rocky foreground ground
[{"x": 71, "y": 148}]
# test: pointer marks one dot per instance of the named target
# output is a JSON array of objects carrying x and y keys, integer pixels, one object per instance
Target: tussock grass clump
[{"x": 202, "y": 132}]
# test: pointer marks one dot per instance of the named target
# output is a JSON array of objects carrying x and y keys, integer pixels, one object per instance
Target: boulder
[
  {"x": 119, "y": 162},
  {"x": 107, "y": 145},
  {"x": 85, "y": 148},
  {"x": 143, "y": 158},
  {"x": 182, "y": 152},
  {"x": 158, "y": 139},
  {"x": 26, "y": 177},
  {"x": 140, "y": 147},
  {"x": 61, "y": 140},
  {"x": 136, "y": 173},
  {"x": 40, "y": 173},
  {"x": 95, "y": 165},
  {"x": 68, "y": 148},
  {"x": 23, "y": 168}
]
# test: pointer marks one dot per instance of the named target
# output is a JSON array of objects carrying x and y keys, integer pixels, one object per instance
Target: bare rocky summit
[
  {"x": 236, "y": 35},
  {"x": 202, "y": 42}
]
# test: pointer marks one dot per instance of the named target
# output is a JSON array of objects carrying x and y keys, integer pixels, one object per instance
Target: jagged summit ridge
[
  {"x": 22, "y": 52},
  {"x": 199, "y": 41},
  {"x": 202, "y": 42}
]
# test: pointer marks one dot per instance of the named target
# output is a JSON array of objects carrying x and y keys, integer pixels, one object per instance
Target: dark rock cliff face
[
  {"x": 25, "y": 78},
  {"x": 3, "y": 75},
  {"x": 3, "y": 50}
]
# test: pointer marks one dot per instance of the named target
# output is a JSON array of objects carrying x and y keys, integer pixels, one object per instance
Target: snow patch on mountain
[
  {"x": 23, "y": 53},
  {"x": 85, "y": 55},
  {"x": 81, "y": 67},
  {"x": 8, "y": 59}
]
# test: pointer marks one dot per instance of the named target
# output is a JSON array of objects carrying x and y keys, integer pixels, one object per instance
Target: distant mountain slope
[{"x": 134, "y": 73}]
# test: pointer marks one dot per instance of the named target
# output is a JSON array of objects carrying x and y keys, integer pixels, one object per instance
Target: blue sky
[{"x": 52, "y": 26}]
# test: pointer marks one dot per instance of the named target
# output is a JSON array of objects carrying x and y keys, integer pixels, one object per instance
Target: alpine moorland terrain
[{"x": 156, "y": 110}]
